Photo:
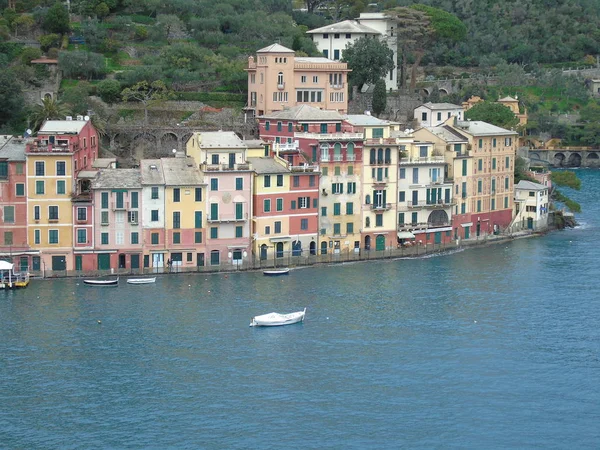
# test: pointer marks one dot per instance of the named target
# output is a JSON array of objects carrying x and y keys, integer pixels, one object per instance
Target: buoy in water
[{"x": 99, "y": 322}]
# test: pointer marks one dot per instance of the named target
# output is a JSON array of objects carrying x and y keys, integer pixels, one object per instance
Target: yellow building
[
  {"x": 184, "y": 213},
  {"x": 50, "y": 211}
]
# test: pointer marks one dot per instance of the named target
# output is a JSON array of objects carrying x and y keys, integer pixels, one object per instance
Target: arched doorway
[
  {"x": 279, "y": 250},
  {"x": 313, "y": 248},
  {"x": 324, "y": 248},
  {"x": 438, "y": 218},
  {"x": 297, "y": 248},
  {"x": 263, "y": 252},
  {"x": 367, "y": 242},
  {"x": 380, "y": 242}
]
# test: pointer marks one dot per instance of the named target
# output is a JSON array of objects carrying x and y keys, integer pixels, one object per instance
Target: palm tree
[{"x": 47, "y": 110}]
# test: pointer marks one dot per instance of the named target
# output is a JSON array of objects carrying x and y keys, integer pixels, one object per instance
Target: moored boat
[
  {"x": 276, "y": 272},
  {"x": 141, "y": 280},
  {"x": 275, "y": 319},
  {"x": 114, "y": 282}
]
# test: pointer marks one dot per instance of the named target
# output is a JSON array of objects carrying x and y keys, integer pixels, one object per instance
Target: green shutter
[{"x": 198, "y": 219}]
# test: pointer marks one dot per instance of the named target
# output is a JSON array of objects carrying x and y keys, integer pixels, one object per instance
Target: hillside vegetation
[{"x": 200, "y": 48}]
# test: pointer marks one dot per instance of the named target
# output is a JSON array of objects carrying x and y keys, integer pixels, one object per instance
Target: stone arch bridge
[{"x": 566, "y": 157}]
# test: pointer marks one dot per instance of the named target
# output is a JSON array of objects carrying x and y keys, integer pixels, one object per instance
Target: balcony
[
  {"x": 226, "y": 167},
  {"x": 53, "y": 219},
  {"x": 422, "y": 160},
  {"x": 222, "y": 218},
  {"x": 44, "y": 146},
  {"x": 115, "y": 206},
  {"x": 381, "y": 206},
  {"x": 380, "y": 162},
  {"x": 350, "y": 157},
  {"x": 304, "y": 168},
  {"x": 342, "y": 136},
  {"x": 429, "y": 226},
  {"x": 281, "y": 86},
  {"x": 382, "y": 180},
  {"x": 337, "y": 86},
  {"x": 425, "y": 204},
  {"x": 287, "y": 147}
]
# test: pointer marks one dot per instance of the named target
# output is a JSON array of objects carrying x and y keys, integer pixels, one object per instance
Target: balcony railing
[
  {"x": 281, "y": 86},
  {"x": 304, "y": 168},
  {"x": 350, "y": 157},
  {"x": 382, "y": 180},
  {"x": 426, "y": 204},
  {"x": 422, "y": 226},
  {"x": 45, "y": 147},
  {"x": 226, "y": 167},
  {"x": 119, "y": 206},
  {"x": 340, "y": 136},
  {"x": 381, "y": 206},
  {"x": 228, "y": 218},
  {"x": 380, "y": 162},
  {"x": 422, "y": 160},
  {"x": 337, "y": 85}
]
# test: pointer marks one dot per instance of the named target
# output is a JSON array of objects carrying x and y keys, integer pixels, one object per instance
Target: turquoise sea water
[{"x": 494, "y": 347}]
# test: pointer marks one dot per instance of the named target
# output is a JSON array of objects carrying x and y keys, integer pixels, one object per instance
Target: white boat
[
  {"x": 114, "y": 282},
  {"x": 275, "y": 319},
  {"x": 276, "y": 272},
  {"x": 141, "y": 280}
]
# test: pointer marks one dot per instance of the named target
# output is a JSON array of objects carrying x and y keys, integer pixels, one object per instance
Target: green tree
[
  {"x": 369, "y": 59},
  {"x": 11, "y": 96},
  {"x": 81, "y": 64},
  {"x": 29, "y": 54},
  {"x": 109, "y": 91},
  {"x": 48, "y": 109},
  {"x": 148, "y": 94},
  {"x": 77, "y": 98},
  {"x": 418, "y": 27},
  {"x": 24, "y": 23},
  {"x": 379, "y": 97},
  {"x": 494, "y": 113},
  {"x": 48, "y": 41},
  {"x": 57, "y": 19}
]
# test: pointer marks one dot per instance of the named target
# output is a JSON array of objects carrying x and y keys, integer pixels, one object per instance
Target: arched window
[
  {"x": 373, "y": 158},
  {"x": 337, "y": 151},
  {"x": 325, "y": 152},
  {"x": 367, "y": 222},
  {"x": 263, "y": 252},
  {"x": 368, "y": 200},
  {"x": 379, "y": 156},
  {"x": 279, "y": 250},
  {"x": 388, "y": 156},
  {"x": 350, "y": 152},
  {"x": 280, "y": 78}
]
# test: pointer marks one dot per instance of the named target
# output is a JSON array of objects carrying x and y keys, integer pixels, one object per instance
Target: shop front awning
[{"x": 405, "y": 235}]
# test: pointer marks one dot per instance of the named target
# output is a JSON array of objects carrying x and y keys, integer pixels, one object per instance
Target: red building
[{"x": 14, "y": 245}]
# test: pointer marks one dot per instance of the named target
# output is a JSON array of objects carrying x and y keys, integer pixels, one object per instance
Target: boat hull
[
  {"x": 276, "y": 273},
  {"x": 141, "y": 280},
  {"x": 277, "y": 320},
  {"x": 101, "y": 282}
]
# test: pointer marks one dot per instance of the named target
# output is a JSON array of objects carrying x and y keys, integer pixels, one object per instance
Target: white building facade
[{"x": 434, "y": 114}]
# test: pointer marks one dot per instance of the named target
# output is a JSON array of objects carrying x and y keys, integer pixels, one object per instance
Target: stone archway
[
  {"x": 426, "y": 92},
  {"x": 593, "y": 160},
  {"x": 443, "y": 92},
  {"x": 559, "y": 159},
  {"x": 168, "y": 142},
  {"x": 574, "y": 160}
]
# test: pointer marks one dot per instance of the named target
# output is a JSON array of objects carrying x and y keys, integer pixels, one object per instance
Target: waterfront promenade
[{"x": 287, "y": 259}]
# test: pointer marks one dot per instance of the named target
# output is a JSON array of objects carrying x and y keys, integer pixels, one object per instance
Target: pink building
[
  {"x": 14, "y": 245},
  {"x": 279, "y": 79}
]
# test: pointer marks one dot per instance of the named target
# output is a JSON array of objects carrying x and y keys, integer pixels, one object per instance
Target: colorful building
[
  {"x": 117, "y": 241},
  {"x": 278, "y": 79},
  {"x": 434, "y": 114},
  {"x": 332, "y": 39},
  {"x": 531, "y": 206},
  {"x": 14, "y": 245},
  {"x": 185, "y": 211},
  {"x": 55, "y": 157},
  {"x": 425, "y": 197},
  {"x": 340, "y": 156},
  {"x": 222, "y": 157},
  {"x": 272, "y": 202},
  {"x": 153, "y": 214},
  {"x": 490, "y": 192}
]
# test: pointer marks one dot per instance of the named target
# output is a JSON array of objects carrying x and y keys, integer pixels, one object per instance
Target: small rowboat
[
  {"x": 275, "y": 319},
  {"x": 141, "y": 280},
  {"x": 114, "y": 282},
  {"x": 276, "y": 272}
]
